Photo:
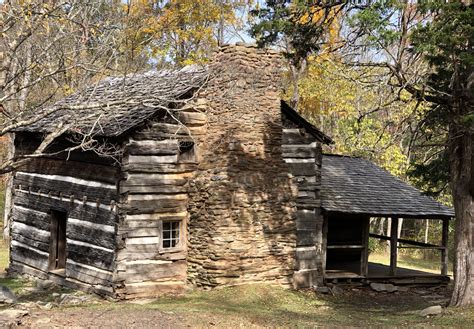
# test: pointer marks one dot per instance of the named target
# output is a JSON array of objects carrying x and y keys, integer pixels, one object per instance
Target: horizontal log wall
[
  {"x": 155, "y": 190},
  {"x": 26, "y": 143},
  {"x": 303, "y": 156},
  {"x": 88, "y": 193}
]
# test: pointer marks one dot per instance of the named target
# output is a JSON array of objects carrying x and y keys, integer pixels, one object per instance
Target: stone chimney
[
  {"x": 242, "y": 201},
  {"x": 246, "y": 76}
]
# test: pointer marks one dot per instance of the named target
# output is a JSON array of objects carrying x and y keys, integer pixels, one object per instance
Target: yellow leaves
[
  {"x": 67, "y": 90},
  {"x": 184, "y": 28},
  {"x": 148, "y": 30},
  {"x": 318, "y": 15},
  {"x": 355, "y": 115}
]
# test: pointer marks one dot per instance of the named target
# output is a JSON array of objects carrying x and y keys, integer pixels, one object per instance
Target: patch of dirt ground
[{"x": 108, "y": 317}]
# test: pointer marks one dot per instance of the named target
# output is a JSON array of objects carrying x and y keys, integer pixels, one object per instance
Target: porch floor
[{"x": 350, "y": 270}]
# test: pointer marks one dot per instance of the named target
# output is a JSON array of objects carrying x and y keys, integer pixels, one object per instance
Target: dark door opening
[
  {"x": 347, "y": 245},
  {"x": 57, "y": 246}
]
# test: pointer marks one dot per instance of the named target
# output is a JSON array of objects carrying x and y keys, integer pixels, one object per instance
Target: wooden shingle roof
[
  {"x": 114, "y": 105},
  {"x": 357, "y": 186}
]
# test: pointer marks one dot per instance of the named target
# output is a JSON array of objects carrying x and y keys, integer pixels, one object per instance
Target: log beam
[
  {"x": 364, "y": 255},
  {"x": 422, "y": 245},
  {"x": 393, "y": 246},
  {"x": 444, "y": 244}
]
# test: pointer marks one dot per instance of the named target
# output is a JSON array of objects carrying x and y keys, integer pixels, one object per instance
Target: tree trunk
[
  {"x": 389, "y": 230},
  {"x": 296, "y": 74},
  {"x": 400, "y": 226},
  {"x": 8, "y": 191},
  {"x": 427, "y": 230},
  {"x": 220, "y": 28},
  {"x": 399, "y": 229},
  {"x": 461, "y": 154},
  {"x": 381, "y": 224}
]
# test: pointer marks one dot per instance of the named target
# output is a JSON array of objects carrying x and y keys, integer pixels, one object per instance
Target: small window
[
  {"x": 171, "y": 234},
  {"x": 186, "y": 152}
]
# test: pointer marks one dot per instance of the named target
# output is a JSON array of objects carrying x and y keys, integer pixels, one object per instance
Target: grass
[
  {"x": 270, "y": 306},
  {"x": 3, "y": 255},
  {"x": 260, "y": 306},
  {"x": 15, "y": 285},
  {"x": 410, "y": 262}
]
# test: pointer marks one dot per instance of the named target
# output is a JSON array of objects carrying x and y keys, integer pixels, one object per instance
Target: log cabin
[{"x": 197, "y": 177}]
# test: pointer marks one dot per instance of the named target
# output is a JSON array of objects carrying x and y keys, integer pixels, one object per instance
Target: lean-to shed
[{"x": 355, "y": 190}]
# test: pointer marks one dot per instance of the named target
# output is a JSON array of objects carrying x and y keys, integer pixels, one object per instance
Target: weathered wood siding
[
  {"x": 303, "y": 155},
  {"x": 242, "y": 201},
  {"x": 155, "y": 190},
  {"x": 87, "y": 192}
]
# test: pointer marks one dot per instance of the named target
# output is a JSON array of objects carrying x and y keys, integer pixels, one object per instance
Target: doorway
[
  {"x": 347, "y": 245},
  {"x": 57, "y": 246}
]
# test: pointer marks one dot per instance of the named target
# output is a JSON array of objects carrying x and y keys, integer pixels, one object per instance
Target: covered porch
[{"x": 355, "y": 190}]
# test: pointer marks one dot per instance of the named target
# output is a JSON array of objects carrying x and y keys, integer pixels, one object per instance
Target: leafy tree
[
  {"x": 48, "y": 50},
  {"x": 180, "y": 31},
  {"x": 302, "y": 28},
  {"x": 448, "y": 45},
  {"x": 356, "y": 115},
  {"x": 428, "y": 51}
]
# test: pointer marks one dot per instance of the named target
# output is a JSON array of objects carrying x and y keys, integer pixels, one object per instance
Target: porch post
[
  {"x": 364, "y": 260},
  {"x": 444, "y": 244},
  {"x": 393, "y": 246}
]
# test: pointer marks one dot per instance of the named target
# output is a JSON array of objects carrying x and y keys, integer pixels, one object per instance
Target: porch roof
[{"x": 357, "y": 186}]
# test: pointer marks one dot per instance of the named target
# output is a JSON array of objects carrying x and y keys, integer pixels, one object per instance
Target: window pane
[{"x": 170, "y": 234}]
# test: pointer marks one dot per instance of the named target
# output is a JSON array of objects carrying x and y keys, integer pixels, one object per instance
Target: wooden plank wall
[
  {"x": 88, "y": 192},
  {"x": 155, "y": 189},
  {"x": 303, "y": 156}
]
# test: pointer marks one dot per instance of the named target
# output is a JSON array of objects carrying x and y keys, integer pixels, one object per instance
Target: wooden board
[
  {"x": 97, "y": 214},
  {"x": 152, "y": 272},
  {"x": 26, "y": 143},
  {"x": 39, "y": 220},
  {"x": 83, "y": 170},
  {"x": 99, "y": 258},
  {"x": 153, "y": 189},
  {"x": 296, "y": 136},
  {"x": 158, "y": 168},
  {"x": 54, "y": 184},
  {"x": 299, "y": 151},
  {"x": 31, "y": 232},
  {"x": 90, "y": 235},
  {"x": 152, "y": 147},
  {"x": 40, "y": 245},
  {"x": 29, "y": 256},
  {"x": 153, "y": 289}
]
